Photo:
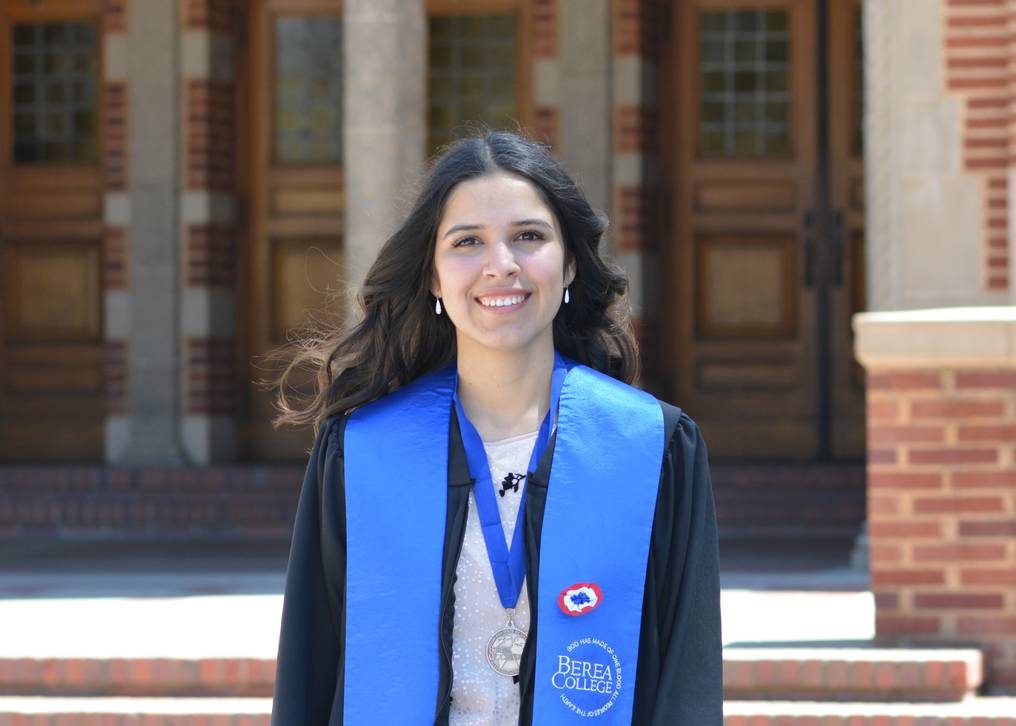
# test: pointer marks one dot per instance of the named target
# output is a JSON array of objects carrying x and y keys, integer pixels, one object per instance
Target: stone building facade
[{"x": 811, "y": 198}]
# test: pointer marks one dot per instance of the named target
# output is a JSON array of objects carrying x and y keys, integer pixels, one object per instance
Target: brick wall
[
  {"x": 942, "y": 508},
  {"x": 979, "y": 48}
]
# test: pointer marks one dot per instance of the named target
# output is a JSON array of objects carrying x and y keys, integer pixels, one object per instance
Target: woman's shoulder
[
  {"x": 330, "y": 431},
  {"x": 680, "y": 429}
]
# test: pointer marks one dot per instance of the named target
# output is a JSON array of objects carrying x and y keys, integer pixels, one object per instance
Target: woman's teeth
[{"x": 500, "y": 302}]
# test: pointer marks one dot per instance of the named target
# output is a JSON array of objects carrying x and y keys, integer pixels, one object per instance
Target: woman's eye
[
  {"x": 535, "y": 235},
  {"x": 463, "y": 241}
]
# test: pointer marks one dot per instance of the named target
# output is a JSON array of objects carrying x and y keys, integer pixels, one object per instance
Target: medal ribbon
[{"x": 507, "y": 566}]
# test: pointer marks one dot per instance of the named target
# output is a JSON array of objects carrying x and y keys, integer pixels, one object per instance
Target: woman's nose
[{"x": 501, "y": 260}]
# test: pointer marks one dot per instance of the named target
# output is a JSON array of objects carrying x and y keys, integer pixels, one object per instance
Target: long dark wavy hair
[{"x": 399, "y": 338}]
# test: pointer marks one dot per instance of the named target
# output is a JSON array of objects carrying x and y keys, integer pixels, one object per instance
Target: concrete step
[
  {"x": 976, "y": 711},
  {"x": 867, "y": 673},
  {"x": 39, "y": 711},
  {"x": 137, "y": 676}
]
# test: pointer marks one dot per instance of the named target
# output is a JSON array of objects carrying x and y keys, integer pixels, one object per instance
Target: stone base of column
[
  {"x": 942, "y": 477},
  {"x": 209, "y": 439}
]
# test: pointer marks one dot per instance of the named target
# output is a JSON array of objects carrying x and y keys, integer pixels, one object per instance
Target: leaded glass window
[
  {"x": 744, "y": 77},
  {"x": 308, "y": 90},
  {"x": 471, "y": 74},
  {"x": 55, "y": 83}
]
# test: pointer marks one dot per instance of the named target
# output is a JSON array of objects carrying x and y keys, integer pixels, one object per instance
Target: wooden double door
[
  {"x": 764, "y": 265},
  {"x": 52, "y": 373}
]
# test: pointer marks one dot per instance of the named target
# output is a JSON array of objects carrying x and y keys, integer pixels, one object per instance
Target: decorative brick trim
[
  {"x": 114, "y": 16},
  {"x": 210, "y": 135},
  {"x": 210, "y": 367},
  {"x": 636, "y": 27},
  {"x": 218, "y": 15},
  {"x": 114, "y": 135},
  {"x": 635, "y": 129},
  {"x": 978, "y": 51},
  {"x": 210, "y": 255},
  {"x": 116, "y": 377},
  {"x": 115, "y": 262},
  {"x": 545, "y": 18},
  {"x": 634, "y": 214}
]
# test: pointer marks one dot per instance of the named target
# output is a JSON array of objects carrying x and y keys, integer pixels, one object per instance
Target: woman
[{"x": 495, "y": 527}]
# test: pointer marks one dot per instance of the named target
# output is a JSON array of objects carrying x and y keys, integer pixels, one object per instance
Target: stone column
[
  {"x": 942, "y": 477},
  {"x": 208, "y": 229},
  {"x": 585, "y": 84},
  {"x": 384, "y": 87},
  {"x": 635, "y": 27},
  {"x": 152, "y": 421}
]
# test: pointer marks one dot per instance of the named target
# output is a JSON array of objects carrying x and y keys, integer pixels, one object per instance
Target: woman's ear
[{"x": 569, "y": 275}]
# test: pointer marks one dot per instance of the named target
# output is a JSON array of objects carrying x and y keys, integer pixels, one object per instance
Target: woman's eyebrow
[{"x": 520, "y": 223}]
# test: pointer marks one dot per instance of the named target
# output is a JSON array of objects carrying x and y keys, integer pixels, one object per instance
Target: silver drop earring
[
  {"x": 566, "y": 298},
  {"x": 437, "y": 306}
]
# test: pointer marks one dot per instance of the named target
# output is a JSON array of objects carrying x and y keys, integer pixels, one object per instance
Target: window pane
[
  {"x": 55, "y": 84},
  {"x": 744, "y": 81},
  {"x": 471, "y": 75},
  {"x": 308, "y": 90}
]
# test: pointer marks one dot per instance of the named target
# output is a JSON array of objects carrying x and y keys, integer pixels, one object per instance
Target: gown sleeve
[
  {"x": 690, "y": 691},
  {"x": 309, "y": 663}
]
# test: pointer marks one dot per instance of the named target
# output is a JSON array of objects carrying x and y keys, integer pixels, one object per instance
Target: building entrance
[
  {"x": 52, "y": 372},
  {"x": 765, "y": 261}
]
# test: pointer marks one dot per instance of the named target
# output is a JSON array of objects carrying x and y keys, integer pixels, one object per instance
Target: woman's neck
[{"x": 505, "y": 393}]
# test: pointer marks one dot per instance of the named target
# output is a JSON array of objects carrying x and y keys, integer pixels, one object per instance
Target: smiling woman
[{"x": 495, "y": 345}]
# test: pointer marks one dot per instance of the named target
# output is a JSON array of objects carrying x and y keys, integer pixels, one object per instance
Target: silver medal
[{"x": 504, "y": 649}]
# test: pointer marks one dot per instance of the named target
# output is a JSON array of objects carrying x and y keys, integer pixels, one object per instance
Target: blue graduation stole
[{"x": 594, "y": 547}]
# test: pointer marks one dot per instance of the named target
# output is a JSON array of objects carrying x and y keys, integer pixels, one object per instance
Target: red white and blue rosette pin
[{"x": 580, "y": 598}]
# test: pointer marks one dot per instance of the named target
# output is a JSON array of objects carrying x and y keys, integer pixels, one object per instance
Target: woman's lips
[{"x": 504, "y": 308}]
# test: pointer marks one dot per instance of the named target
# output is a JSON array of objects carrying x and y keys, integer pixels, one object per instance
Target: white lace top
[{"x": 481, "y": 697}]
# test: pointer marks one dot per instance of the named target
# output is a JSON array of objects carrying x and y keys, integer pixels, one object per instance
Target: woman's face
[{"x": 499, "y": 263}]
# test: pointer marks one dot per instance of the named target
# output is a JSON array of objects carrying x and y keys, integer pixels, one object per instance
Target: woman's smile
[{"x": 501, "y": 304}]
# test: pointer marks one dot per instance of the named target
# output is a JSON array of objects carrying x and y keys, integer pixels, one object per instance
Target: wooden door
[
  {"x": 51, "y": 200},
  {"x": 477, "y": 72},
  {"x": 293, "y": 260},
  {"x": 846, "y": 233},
  {"x": 765, "y": 187}
]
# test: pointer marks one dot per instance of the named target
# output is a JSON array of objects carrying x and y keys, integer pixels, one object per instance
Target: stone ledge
[{"x": 961, "y": 337}]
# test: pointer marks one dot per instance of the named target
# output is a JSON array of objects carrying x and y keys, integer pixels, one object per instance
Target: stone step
[
  {"x": 750, "y": 673},
  {"x": 851, "y": 673},
  {"x": 155, "y": 677},
  {"x": 975, "y": 711},
  {"x": 50, "y": 711}
]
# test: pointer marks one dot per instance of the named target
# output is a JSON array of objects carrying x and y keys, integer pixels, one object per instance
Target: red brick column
[{"x": 942, "y": 477}]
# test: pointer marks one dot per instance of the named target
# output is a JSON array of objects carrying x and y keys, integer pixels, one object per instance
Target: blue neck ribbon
[{"x": 508, "y": 566}]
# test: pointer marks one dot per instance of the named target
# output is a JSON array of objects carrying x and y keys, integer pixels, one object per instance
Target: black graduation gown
[{"x": 679, "y": 677}]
